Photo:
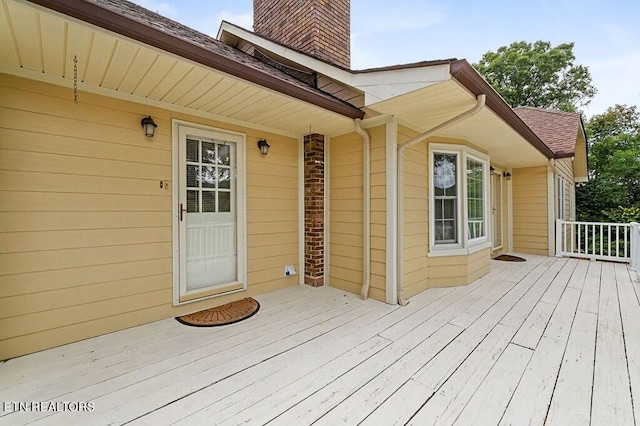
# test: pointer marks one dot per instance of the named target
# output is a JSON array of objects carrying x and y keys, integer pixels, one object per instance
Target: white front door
[
  {"x": 496, "y": 210},
  {"x": 209, "y": 206}
]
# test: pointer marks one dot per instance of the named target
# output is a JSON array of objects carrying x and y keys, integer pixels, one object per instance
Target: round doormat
[
  {"x": 222, "y": 315},
  {"x": 509, "y": 258}
]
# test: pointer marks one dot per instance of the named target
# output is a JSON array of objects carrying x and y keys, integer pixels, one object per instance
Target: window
[
  {"x": 446, "y": 198},
  {"x": 459, "y": 200},
  {"x": 208, "y": 176},
  {"x": 560, "y": 193},
  {"x": 475, "y": 199},
  {"x": 572, "y": 202}
]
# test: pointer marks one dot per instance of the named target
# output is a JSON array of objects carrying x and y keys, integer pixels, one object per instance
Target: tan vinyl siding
[
  {"x": 378, "y": 213},
  {"x": 346, "y": 226},
  {"x": 530, "y": 210},
  {"x": 86, "y": 231},
  {"x": 416, "y": 215},
  {"x": 447, "y": 271},
  {"x": 345, "y": 201},
  {"x": 478, "y": 264}
]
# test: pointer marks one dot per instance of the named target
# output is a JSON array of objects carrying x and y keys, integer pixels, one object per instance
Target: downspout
[
  {"x": 552, "y": 206},
  {"x": 366, "y": 208},
  {"x": 480, "y": 102}
]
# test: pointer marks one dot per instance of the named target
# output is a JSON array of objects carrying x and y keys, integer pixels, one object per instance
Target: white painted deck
[{"x": 549, "y": 341}]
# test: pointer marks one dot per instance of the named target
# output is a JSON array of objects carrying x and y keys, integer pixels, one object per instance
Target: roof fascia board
[
  {"x": 95, "y": 15},
  {"x": 377, "y": 85},
  {"x": 324, "y": 68},
  {"x": 468, "y": 77}
]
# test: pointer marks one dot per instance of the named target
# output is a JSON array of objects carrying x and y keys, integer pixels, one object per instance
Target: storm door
[
  {"x": 210, "y": 243},
  {"x": 496, "y": 210}
]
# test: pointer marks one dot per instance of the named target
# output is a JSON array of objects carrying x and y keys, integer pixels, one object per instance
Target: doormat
[
  {"x": 509, "y": 258},
  {"x": 222, "y": 315}
]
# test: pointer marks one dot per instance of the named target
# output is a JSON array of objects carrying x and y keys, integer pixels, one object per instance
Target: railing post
[
  {"x": 635, "y": 247},
  {"x": 559, "y": 237}
]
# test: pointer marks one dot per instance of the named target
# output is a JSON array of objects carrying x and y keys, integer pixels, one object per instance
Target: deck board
[
  {"x": 630, "y": 313},
  {"x": 571, "y": 401},
  {"x": 549, "y": 341},
  {"x": 490, "y": 400},
  {"x": 611, "y": 388}
]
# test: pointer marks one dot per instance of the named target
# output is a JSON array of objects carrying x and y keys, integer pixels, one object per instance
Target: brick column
[{"x": 314, "y": 209}]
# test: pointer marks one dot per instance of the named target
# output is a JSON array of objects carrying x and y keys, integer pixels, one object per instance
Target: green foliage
[
  {"x": 613, "y": 191},
  {"x": 616, "y": 120},
  {"x": 607, "y": 246},
  {"x": 538, "y": 75},
  {"x": 623, "y": 214}
]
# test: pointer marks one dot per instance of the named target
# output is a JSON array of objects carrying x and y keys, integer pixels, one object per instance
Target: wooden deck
[{"x": 549, "y": 341}]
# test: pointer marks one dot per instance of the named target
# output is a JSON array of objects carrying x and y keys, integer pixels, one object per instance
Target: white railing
[
  {"x": 635, "y": 248},
  {"x": 595, "y": 240}
]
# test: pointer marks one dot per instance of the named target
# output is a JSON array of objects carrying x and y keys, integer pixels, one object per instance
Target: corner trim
[{"x": 391, "y": 175}]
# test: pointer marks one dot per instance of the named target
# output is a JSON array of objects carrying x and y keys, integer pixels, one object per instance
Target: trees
[
  {"x": 613, "y": 191},
  {"x": 538, "y": 75}
]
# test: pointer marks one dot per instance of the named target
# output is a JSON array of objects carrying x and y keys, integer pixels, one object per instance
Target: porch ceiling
[
  {"x": 38, "y": 43},
  {"x": 430, "y": 106}
]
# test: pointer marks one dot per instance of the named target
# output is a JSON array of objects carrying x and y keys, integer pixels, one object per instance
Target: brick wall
[
  {"x": 314, "y": 209},
  {"x": 321, "y": 28}
]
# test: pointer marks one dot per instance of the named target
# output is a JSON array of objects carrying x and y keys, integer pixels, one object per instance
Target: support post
[{"x": 635, "y": 248}]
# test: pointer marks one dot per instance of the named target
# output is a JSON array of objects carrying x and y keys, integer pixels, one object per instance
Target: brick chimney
[{"x": 321, "y": 28}]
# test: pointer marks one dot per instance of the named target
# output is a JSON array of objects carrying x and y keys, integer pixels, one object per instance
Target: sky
[{"x": 606, "y": 33}]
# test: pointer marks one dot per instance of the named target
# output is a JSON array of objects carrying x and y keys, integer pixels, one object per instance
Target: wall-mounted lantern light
[
  {"x": 507, "y": 175},
  {"x": 149, "y": 126},
  {"x": 263, "y": 146}
]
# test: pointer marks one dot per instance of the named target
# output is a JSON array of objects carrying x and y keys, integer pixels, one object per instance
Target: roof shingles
[{"x": 557, "y": 129}]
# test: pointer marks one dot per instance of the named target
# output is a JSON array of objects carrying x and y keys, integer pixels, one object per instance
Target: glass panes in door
[{"x": 211, "y": 220}]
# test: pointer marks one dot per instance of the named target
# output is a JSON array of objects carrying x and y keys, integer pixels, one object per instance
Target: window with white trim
[
  {"x": 476, "y": 199},
  {"x": 445, "y": 189},
  {"x": 572, "y": 202},
  {"x": 560, "y": 193},
  {"x": 459, "y": 200}
]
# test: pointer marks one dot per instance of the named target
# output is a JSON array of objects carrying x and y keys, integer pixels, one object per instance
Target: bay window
[{"x": 459, "y": 200}]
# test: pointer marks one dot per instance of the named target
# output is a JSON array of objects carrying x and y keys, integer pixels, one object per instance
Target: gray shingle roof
[{"x": 557, "y": 129}]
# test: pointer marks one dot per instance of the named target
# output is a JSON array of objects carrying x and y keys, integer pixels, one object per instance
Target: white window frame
[
  {"x": 459, "y": 201},
  {"x": 560, "y": 198},
  {"x": 464, "y": 246},
  {"x": 572, "y": 202}
]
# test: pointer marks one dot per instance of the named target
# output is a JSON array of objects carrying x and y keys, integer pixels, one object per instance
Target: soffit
[
  {"x": 36, "y": 42},
  {"x": 430, "y": 106}
]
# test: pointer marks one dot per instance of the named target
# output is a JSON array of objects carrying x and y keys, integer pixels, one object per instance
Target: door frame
[
  {"x": 498, "y": 174},
  {"x": 241, "y": 218}
]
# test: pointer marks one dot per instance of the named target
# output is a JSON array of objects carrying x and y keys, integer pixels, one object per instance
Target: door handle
[{"x": 182, "y": 210}]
